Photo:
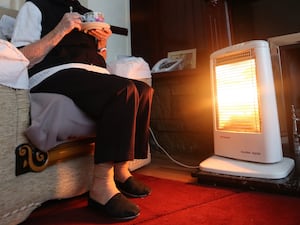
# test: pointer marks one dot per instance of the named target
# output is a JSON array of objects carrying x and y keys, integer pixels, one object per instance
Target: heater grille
[
  {"x": 236, "y": 56},
  {"x": 236, "y": 93}
]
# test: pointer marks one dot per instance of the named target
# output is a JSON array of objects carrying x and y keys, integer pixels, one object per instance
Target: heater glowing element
[{"x": 237, "y": 102}]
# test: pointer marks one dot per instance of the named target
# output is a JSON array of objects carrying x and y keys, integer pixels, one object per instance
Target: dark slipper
[
  {"x": 118, "y": 207},
  {"x": 133, "y": 188}
]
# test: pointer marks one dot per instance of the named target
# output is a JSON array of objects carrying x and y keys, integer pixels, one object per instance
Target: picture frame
[{"x": 188, "y": 56}]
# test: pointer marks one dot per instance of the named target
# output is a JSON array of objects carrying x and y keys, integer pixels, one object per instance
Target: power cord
[{"x": 168, "y": 155}]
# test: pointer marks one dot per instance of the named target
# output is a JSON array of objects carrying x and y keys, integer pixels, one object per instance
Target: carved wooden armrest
[{"x": 31, "y": 159}]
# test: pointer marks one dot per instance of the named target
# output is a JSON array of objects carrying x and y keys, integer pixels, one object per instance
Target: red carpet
[{"x": 177, "y": 203}]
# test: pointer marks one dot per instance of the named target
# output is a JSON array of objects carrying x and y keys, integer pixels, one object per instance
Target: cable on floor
[{"x": 168, "y": 155}]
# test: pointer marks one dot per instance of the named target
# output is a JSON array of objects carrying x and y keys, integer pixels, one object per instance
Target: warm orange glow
[{"x": 237, "y": 105}]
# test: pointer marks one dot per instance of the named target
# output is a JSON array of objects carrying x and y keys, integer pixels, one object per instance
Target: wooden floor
[{"x": 163, "y": 167}]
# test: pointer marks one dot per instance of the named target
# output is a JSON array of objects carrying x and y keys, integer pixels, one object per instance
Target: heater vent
[
  {"x": 236, "y": 56},
  {"x": 236, "y": 92}
]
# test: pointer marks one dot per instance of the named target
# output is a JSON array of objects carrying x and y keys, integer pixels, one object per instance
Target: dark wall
[
  {"x": 262, "y": 19},
  {"x": 162, "y": 26}
]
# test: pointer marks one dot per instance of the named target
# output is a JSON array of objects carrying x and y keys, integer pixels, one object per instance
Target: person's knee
[
  {"x": 144, "y": 89},
  {"x": 147, "y": 92},
  {"x": 132, "y": 90}
]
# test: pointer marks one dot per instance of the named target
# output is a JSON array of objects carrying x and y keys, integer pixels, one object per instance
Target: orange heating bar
[{"x": 237, "y": 101}]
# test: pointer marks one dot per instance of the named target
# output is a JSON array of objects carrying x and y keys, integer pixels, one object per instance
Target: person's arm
[
  {"x": 36, "y": 51},
  {"x": 27, "y": 32}
]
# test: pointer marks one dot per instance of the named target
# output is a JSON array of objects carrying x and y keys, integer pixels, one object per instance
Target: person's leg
[
  {"x": 124, "y": 180},
  {"x": 143, "y": 119},
  {"x": 113, "y": 103}
]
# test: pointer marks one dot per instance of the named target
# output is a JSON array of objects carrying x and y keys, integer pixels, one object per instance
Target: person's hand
[
  {"x": 69, "y": 22},
  {"x": 101, "y": 35}
]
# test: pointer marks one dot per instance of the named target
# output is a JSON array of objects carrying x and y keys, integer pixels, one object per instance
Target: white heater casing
[
  {"x": 265, "y": 146},
  {"x": 253, "y": 152}
]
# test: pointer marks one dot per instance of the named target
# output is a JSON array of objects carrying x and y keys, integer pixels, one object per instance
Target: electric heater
[{"x": 247, "y": 139}]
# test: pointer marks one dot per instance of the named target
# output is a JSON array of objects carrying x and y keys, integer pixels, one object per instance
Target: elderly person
[{"x": 66, "y": 60}]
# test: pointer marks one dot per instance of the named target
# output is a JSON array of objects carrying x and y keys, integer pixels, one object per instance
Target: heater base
[
  {"x": 233, "y": 167},
  {"x": 289, "y": 184}
]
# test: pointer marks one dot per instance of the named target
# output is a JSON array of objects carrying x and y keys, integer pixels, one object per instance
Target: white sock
[
  {"x": 103, "y": 185},
  {"x": 122, "y": 172}
]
